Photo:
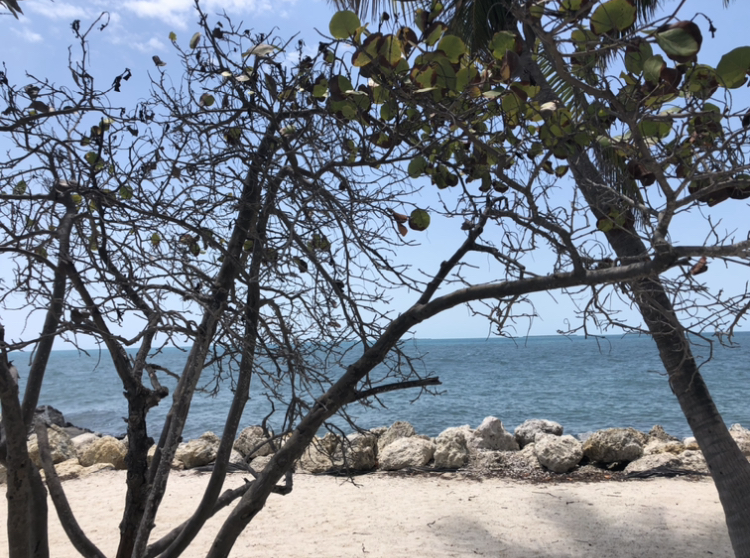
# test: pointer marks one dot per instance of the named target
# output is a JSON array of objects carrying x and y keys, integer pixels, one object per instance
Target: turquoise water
[{"x": 584, "y": 384}]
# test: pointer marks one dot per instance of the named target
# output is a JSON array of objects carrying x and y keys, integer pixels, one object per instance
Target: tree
[
  {"x": 617, "y": 141},
  {"x": 254, "y": 209}
]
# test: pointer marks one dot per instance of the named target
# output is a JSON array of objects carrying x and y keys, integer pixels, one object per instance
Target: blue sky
[{"x": 38, "y": 43}]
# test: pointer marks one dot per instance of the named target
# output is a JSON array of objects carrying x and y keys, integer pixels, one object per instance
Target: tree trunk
[{"x": 728, "y": 466}]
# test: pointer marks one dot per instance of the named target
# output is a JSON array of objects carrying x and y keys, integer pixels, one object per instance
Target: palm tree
[{"x": 476, "y": 21}]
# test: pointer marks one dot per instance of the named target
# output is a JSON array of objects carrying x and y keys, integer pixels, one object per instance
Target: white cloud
[
  {"x": 58, "y": 10},
  {"x": 28, "y": 35},
  {"x": 179, "y": 13},
  {"x": 151, "y": 46}
]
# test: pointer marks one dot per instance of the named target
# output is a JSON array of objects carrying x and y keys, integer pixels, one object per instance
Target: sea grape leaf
[
  {"x": 417, "y": 166},
  {"x": 419, "y": 220},
  {"x": 733, "y": 67},
  {"x": 344, "y": 24},
  {"x": 681, "y": 42},
  {"x": 502, "y": 42},
  {"x": 652, "y": 68},
  {"x": 195, "y": 40},
  {"x": 614, "y": 14},
  {"x": 636, "y": 57},
  {"x": 453, "y": 47}
]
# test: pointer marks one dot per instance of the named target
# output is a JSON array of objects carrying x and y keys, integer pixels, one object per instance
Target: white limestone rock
[
  {"x": 451, "y": 448},
  {"x": 614, "y": 445},
  {"x": 656, "y": 445},
  {"x": 526, "y": 432},
  {"x": 406, "y": 452},
  {"x": 319, "y": 457},
  {"x": 491, "y": 435},
  {"x": 657, "y": 432},
  {"x": 106, "y": 449},
  {"x": 249, "y": 439},
  {"x": 60, "y": 445},
  {"x": 357, "y": 452},
  {"x": 399, "y": 429},
  {"x": 83, "y": 441},
  {"x": 259, "y": 463},
  {"x": 199, "y": 452},
  {"x": 559, "y": 454},
  {"x": 691, "y": 443},
  {"x": 742, "y": 437},
  {"x": 690, "y": 460}
]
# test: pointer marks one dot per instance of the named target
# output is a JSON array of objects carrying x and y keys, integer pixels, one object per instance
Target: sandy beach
[{"x": 381, "y": 515}]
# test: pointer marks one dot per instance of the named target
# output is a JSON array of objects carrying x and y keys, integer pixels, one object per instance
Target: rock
[
  {"x": 515, "y": 463},
  {"x": 399, "y": 429},
  {"x": 199, "y": 452},
  {"x": 690, "y": 443},
  {"x": 319, "y": 457},
  {"x": 83, "y": 441},
  {"x": 249, "y": 439},
  {"x": 406, "y": 452},
  {"x": 451, "y": 449},
  {"x": 69, "y": 469},
  {"x": 614, "y": 445},
  {"x": 559, "y": 454},
  {"x": 236, "y": 458},
  {"x": 378, "y": 431},
  {"x": 491, "y": 435},
  {"x": 742, "y": 437},
  {"x": 655, "y": 445},
  {"x": 690, "y": 460},
  {"x": 106, "y": 449},
  {"x": 176, "y": 464},
  {"x": 259, "y": 463},
  {"x": 60, "y": 445},
  {"x": 526, "y": 432},
  {"x": 657, "y": 432},
  {"x": 50, "y": 416},
  {"x": 357, "y": 452}
]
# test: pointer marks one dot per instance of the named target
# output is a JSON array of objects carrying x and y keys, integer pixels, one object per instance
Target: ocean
[{"x": 585, "y": 384}]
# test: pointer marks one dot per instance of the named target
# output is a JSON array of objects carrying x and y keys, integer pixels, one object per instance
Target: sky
[{"x": 37, "y": 43}]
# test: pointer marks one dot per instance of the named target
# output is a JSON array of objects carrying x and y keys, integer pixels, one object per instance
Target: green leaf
[
  {"x": 636, "y": 56},
  {"x": 195, "y": 40},
  {"x": 417, "y": 166},
  {"x": 652, "y": 68},
  {"x": 434, "y": 32},
  {"x": 453, "y": 47},
  {"x": 20, "y": 188},
  {"x": 680, "y": 43},
  {"x": 172, "y": 36},
  {"x": 733, "y": 67},
  {"x": 614, "y": 14},
  {"x": 654, "y": 129},
  {"x": 155, "y": 239},
  {"x": 207, "y": 100},
  {"x": 502, "y": 42},
  {"x": 93, "y": 159},
  {"x": 344, "y": 24},
  {"x": 419, "y": 220},
  {"x": 390, "y": 49},
  {"x": 126, "y": 192}
]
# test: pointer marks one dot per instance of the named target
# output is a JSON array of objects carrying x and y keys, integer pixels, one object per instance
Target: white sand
[{"x": 439, "y": 516}]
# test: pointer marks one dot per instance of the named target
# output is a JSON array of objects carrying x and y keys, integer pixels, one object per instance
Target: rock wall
[{"x": 535, "y": 445}]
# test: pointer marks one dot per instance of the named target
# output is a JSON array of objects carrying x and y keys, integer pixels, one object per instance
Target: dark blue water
[{"x": 583, "y": 384}]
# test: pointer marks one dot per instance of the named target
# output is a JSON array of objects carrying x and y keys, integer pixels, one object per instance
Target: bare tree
[{"x": 253, "y": 209}]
